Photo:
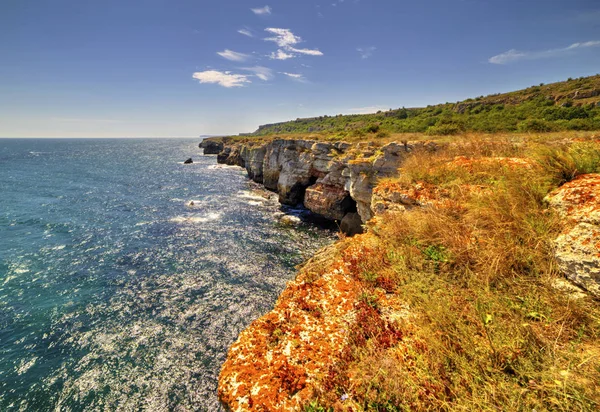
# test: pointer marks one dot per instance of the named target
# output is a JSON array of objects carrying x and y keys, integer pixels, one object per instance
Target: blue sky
[{"x": 144, "y": 68}]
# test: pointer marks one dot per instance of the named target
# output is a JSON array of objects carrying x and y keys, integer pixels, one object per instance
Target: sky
[{"x": 184, "y": 68}]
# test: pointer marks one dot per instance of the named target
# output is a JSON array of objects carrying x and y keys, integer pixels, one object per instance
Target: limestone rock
[
  {"x": 579, "y": 199},
  {"x": 289, "y": 220},
  {"x": 578, "y": 250},
  {"x": 253, "y": 159},
  {"x": 578, "y": 256},
  {"x": 290, "y": 166},
  {"x": 332, "y": 202},
  {"x": 211, "y": 146},
  {"x": 351, "y": 224}
]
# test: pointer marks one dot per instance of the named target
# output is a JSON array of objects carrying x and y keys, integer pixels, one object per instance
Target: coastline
[{"x": 346, "y": 300}]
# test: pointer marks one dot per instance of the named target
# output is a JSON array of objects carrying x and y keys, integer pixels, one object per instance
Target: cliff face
[{"x": 334, "y": 180}]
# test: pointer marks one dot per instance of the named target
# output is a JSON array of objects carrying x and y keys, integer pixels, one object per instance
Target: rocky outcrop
[
  {"x": 211, "y": 146},
  {"x": 330, "y": 179},
  {"x": 578, "y": 249},
  {"x": 278, "y": 360}
]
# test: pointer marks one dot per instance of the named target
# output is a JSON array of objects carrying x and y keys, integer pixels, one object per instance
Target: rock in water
[
  {"x": 289, "y": 220},
  {"x": 188, "y": 161}
]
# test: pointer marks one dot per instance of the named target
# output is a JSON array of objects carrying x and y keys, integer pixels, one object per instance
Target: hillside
[{"x": 573, "y": 104}]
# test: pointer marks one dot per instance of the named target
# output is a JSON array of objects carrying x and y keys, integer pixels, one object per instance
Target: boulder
[
  {"x": 578, "y": 255},
  {"x": 289, "y": 220},
  {"x": 188, "y": 161},
  {"x": 351, "y": 224},
  {"x": 577, "y": 251}
]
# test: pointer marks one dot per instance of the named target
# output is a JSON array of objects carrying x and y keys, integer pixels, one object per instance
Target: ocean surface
[{"x": 115, "y": 293}]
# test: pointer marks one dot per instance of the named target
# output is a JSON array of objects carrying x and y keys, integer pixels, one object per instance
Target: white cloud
[
  {"x": 296, "y": 77},
  {"x": 310, "y": 52},
  {"x": 263, "y": 73},
  {"x": 280, "y": 55},
  {"x": 292, "y": 75},
  {"x": 225, "y": 79},
  {"x": 261, "y": 11},
  {"x": 283, "y": 37},
  {"x": 246, "y": 32},
  {"x": 366, "y": 52},
  {"x": 234, "y": 56},
  {"x": 513, "y": 55},
  {"x": 286, "y": 40}
]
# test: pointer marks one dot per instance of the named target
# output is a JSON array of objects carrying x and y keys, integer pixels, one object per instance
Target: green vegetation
[{"x": 569, "y": 105}]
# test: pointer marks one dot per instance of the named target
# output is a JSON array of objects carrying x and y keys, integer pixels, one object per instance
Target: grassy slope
[
  {"x": 568, "y": 105},
  {"x": 488, "y": 330}
]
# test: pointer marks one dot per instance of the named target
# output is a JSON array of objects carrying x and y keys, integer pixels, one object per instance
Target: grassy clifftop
[
  {"x": 570, "y": 105},
  {"x": 453, "y": 301}
]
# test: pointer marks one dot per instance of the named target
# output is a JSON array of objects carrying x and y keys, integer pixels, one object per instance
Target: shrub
[
  {"x": 535, "y": 125},
  {"x": 444, "y": 130}
]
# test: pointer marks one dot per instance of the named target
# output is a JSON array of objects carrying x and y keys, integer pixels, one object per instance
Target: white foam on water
[
  {"x": 196, "y": 219},
  {"x": 212, "y": 167},
  {"x": 25, "y": 365}
]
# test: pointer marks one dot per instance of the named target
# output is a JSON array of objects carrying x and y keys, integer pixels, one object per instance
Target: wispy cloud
[
  {"x": 295, "y": 76},
  {"x": 261, "y": 11},
  {"x": 366, "y": 52},
  {"x": 514, "y": 55},
  {"x": 225, "y": 79},
  {"x": 286, "y": 40},
  {"x": 310, "y": 52},
  {"x": 292, "y": 75},
  {"x": 263, "y": 73},
  {"x": 280, "y": 55},
  {"x": 246, "y": 32},
  {"x": 233, "y": 56}
]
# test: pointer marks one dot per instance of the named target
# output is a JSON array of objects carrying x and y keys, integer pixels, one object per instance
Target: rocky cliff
[
  {"x": 440, "y": 287},
  {"x": 333, "y": 180}
]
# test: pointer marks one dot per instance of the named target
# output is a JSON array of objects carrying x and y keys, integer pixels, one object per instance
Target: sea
[{"x": 125, "y": 274}]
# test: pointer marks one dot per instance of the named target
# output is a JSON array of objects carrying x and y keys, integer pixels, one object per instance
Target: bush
[
  {"x": 444, "y": 130},
  {"x": 372, "y": 128},
  {"x": 535, "y": 125}
]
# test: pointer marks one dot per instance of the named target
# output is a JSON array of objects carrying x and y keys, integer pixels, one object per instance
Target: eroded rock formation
[{"x": 333, "y": 180}]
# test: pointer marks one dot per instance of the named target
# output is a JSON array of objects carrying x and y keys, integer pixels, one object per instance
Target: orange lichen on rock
[
  {"x": 393, "y": 196},
  {"x": 579, "y": 199},
  {"x": 577, "y": 250},
  {"x": 276, "y": 361}
]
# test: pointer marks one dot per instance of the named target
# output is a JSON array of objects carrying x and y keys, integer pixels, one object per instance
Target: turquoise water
[{"x": 114, "y": 292}]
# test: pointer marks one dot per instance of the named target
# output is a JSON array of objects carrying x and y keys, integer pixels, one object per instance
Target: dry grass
[
  {"x": 557, "y": 137},
  {"x": 487, "y": 330}
]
